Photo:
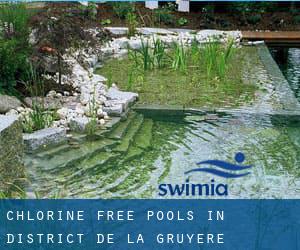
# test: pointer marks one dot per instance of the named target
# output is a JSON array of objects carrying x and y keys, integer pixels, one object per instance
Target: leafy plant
[
  {"x": 164, "y": 15},
  {"x": 182, "y": 21},
  {"x": 38, "y": 118},
  {"x": 131, "y": 20},
  {"x": 297, "y": 19},
  {"x": 106, "y": 22},
  {"x": 254, "y": 19},
  {"x": 14, "y": 45},
  {"x": 122, "y": 9}
]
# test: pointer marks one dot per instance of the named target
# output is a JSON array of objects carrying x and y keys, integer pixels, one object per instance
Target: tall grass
[
  {"x": 216, "y": 58},
  {"x": 179, "y": 58},
  {"x": 39, "y": 117},
  {"x": 159, "y": 53}
]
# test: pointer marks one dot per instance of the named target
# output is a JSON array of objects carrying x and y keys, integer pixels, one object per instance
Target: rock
[
  {"x": 44, "y": 138},
  {"x": 62, "y": 113},
  {"x": 7, "y": 103},
  {"x": 102, "y": 121},
  {"x": 47, "y": 102},
  {"x": 12, "y": 112},
  {"x": 135, "y": 44},
  {"x": 159, "y": 31},
  {"x": 121, "y": 97},
  {"x": 51, "y": 93},
  {"x": 117, "y": 30},
  {"x": 115, "y": 110},
  {"x": 20, "y": 109},
  {"x": 78, "y": 124},
  {"x": 11, "y": 151}
]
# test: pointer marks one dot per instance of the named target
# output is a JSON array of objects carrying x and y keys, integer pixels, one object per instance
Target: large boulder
[{"x": 8, "y": 102}]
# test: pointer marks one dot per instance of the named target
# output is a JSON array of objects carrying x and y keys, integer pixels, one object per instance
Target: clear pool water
[
  {"x": 288, "y": 60},
  {"x": 132, "y": 159},
  {"x": 142, "y": 152}
]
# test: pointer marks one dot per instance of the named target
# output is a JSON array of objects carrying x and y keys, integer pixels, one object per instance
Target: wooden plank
[{"x": 273, "y": 36}]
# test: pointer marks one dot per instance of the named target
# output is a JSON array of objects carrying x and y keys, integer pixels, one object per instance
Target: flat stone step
[
  {"x": 91, "y": 164},
  {"x": 122, "y": 128},
  {"x": 72, "y": 157},
  {"x": 144, "y": 136},
  {"x": 51, "y": 152},
  {"x": 128, "y": 138},
  {"x": 133, "y": 152}
]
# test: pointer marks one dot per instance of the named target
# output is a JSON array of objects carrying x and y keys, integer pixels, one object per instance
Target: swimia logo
[{"x": 215, "y": 167}]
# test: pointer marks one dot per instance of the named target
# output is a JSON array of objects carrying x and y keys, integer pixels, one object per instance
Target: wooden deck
[{"x": 274, "y": 37}]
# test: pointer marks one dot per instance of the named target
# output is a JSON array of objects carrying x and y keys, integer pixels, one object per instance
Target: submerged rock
[{"x": 8, "y": 102}]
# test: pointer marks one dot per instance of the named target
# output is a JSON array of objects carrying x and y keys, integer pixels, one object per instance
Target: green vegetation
[
  {"x": 39, "y": 117},
  {"x": 106, "y": 22},
  {"x": 164, "y": 14},
  {"x": 182, "y": 21},
  {"x": 131, "y": 21},
  {"x": 194, "y": 76},
  {"x": 14, "y": 45},
  {"x": 122, "y": 9}
]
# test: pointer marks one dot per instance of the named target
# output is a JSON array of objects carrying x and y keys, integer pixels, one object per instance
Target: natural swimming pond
[
  {"x": 141, "y": 152},
  {"x": 147, "y": 149}
]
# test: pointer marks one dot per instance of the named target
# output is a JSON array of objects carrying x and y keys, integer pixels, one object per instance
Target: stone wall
[{"x": 11, "y": 152}]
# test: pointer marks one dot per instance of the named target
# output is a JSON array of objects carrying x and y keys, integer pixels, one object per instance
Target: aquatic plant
[
  {"x": 194, "y": 52},
  {"x": 216, "y": 58},
  {"x": 159, "y": 53},
  {"x": 180, "y": 57},
  {"x": 146, "y": 55}
]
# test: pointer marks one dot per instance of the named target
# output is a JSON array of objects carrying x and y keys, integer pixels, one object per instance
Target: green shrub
[
  {"x": 297, "y": 19},
  {"x": 13, "y": 64},
  {"x": 132, "y": 23},
  {"x": 254, "y": 19},
  {"x": 122, "y": 9},
  {"x": 14, "y": 45},
  {"x": 39, "y": 117},
  {"x": 164, "y": 15},
  {"x": 182, "y": 21}
]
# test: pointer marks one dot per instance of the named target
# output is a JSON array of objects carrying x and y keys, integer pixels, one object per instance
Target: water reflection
[{"x": 288, "y": 60}]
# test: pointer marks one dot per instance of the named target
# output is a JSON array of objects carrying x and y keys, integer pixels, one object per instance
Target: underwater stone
[{"x": 44, "y": 137}]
